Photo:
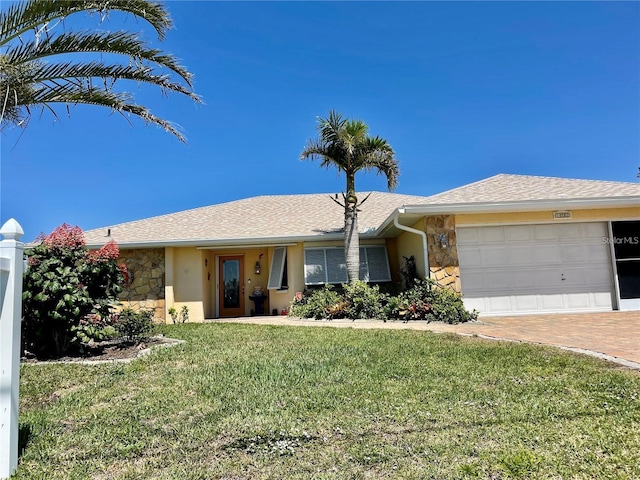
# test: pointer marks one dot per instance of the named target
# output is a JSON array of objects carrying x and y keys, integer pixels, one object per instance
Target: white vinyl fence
[{"x": 11, "y": 269}]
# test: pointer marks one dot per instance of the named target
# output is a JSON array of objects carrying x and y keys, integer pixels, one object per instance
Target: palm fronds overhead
[{"x": 38, "y": 68}]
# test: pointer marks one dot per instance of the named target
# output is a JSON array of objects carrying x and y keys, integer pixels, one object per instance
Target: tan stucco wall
[
  {"x": 208, "y": 283},
  {"x": 187, "y": 273},
  {"x": 253, "y": 280},
  {"x": 411, "y": 244},
  {"x": 605, "y": 214},
  {"x": 394, "y": 263},
  {"x": 168, "y": 282},
  {"x": 146, "y": 290}
]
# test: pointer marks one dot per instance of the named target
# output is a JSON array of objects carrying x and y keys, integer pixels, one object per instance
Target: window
[
  {"x": 328, "y": 265},
  {"x": 278, "y": 275}
]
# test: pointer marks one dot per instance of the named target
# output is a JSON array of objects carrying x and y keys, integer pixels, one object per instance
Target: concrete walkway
[{"x": 614, "y": 336}]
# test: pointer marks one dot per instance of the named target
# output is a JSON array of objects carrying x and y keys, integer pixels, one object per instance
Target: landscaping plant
[
  {"x": 425, "y": 300},
  {"x": 134, "y": 327},
  {"x": 364, "y": 301},
  {"x": 94, "y": 328},
  {"x": 64, "y": 284},
  {"x": 323, "y": 303},
  {"x": 182, "y": 317}
]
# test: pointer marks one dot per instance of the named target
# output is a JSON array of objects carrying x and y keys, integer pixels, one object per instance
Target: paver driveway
[{"x": 611, "y": 335}]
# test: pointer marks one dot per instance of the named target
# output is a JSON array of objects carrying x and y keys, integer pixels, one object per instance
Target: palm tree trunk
[{"x": 351, "y": 241}]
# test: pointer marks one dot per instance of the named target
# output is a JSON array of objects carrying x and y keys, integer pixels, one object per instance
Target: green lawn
[{"x": 253, "y": 402}]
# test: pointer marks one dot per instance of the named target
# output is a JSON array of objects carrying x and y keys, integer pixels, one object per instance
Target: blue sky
[{"x": 462, "y": 91}]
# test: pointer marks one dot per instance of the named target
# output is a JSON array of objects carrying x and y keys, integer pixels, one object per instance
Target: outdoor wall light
[
  {"x": 444, "y": 241},
  {"x": 257, "y": 267}
]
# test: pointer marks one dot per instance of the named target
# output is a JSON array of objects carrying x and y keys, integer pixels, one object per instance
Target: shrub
[
  {"x": 426, "y": 300},
  {"x": 364, "y": 301},
  {"x": 448, "y": 307},
  {"x": 63, "y": 284},
  {"x": 134, "y": 327},
  {"x": 429, "y": 301},
  {"x": 181, "y": 317},
  {"x": 184, "y": 314},
  {"x": 93, "y": 328},
  {"x": 323, "y": 303}
]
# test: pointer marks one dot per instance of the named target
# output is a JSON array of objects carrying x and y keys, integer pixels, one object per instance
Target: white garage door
[{"x": 536, "y": 268}]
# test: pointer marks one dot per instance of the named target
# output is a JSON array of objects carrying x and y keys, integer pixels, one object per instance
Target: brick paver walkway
[{"x": 611, "y": 335}]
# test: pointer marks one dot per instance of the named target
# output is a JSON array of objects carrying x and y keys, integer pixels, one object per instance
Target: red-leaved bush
[
  {"x": 64, "y": 284},
  {"x": 65, "y": 236},
  {"x": 108, "y": 252}
]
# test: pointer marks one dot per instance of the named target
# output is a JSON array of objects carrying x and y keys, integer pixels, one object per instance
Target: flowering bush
[{"x": 64, "y": 284}]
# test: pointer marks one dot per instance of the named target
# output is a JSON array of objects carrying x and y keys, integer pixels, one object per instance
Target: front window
[{"x": 328, "y": 265}]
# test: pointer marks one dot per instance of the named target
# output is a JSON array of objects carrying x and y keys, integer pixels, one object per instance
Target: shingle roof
[
  {"x": 264, "y": 217},
  {"x": 517, "y": 188},
  {"x": 316, "y": 215}
]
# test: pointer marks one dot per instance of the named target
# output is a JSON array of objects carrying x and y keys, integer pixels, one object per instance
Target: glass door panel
[{"x": 231, "y": 288}]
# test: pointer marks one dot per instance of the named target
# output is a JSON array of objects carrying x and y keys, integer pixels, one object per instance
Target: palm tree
[
  {"x": 36, "y": 69},
  {"x": 346, "y": 145}
]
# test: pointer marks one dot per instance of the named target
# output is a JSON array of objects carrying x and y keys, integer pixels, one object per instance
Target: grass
[{"x": 256, "y": 402}]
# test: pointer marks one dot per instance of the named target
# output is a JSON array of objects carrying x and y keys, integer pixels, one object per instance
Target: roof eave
[
  {"x": 410, "y": 211},
  {"x": 526, "y": 206},
  {"x": 231, "y": 242}
]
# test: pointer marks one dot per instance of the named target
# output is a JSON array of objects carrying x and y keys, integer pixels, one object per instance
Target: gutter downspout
[{"x": 425, "y": 251}]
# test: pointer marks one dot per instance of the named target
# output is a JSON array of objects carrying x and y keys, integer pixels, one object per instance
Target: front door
[{"x": 231, "y": 290}]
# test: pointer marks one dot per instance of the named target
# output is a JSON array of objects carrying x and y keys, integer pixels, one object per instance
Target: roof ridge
[
  {"x": 549, "y": 177},
  {"x": 467, "y": 185}
]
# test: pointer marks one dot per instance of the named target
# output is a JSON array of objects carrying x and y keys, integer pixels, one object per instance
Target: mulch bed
[{"x": 110, "y": 350}]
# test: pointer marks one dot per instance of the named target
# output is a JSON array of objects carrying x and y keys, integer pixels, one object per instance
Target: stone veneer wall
[
  {"x": 146, "y": 291},
  {"x": 443, "y": 262}
]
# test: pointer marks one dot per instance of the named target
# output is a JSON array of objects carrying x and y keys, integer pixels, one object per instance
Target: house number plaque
[{"x": 563, "y": 214}]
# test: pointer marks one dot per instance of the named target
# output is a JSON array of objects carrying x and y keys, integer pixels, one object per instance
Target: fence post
[{"x": 11, "y": 269}]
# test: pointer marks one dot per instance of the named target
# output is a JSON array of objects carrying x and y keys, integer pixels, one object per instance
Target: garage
[{"x": 536, "y": 268}]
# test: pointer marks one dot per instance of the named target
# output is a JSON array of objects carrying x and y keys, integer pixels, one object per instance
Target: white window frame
[
  {"x": 277, "y": 269},
  {"x": 364, "y": 255}
]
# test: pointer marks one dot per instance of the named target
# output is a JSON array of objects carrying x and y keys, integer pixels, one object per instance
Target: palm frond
[
  {"x": 329, "y": 154},
  {"x": 28, "y": 78},
  {"x": 106, "y": 75},
  {"x": 121, "y": 42},
  {"x": 22, "y": 17},
  {"x": 117, "y": 101},
  {"x": 346, "y": 145}
]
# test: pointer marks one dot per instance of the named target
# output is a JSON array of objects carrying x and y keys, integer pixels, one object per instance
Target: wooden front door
[{"x": 231, "y": 289}]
